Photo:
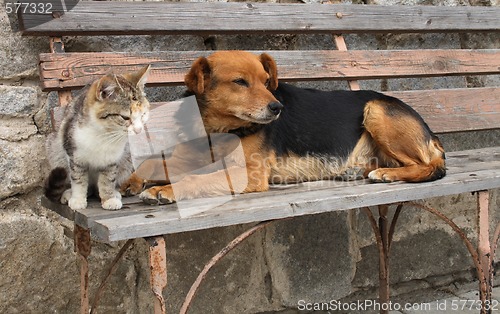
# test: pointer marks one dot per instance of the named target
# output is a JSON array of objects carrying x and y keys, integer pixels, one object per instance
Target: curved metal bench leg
[
  {"x": 482, "y": 255},
  {"x": 217, "y": 258},
  {"x": 383, "y": 235}
]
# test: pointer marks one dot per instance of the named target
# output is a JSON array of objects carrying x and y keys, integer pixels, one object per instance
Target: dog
[{"x": 291, "y": 134}]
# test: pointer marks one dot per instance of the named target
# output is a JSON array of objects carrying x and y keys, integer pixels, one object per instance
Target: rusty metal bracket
[
  {"x": 482, "y": 257},
  {"x": 83, "y": 248},
  {"x": 97, "y": 295},
  {"x": 158, "y": 267},
  {"x": 194, "y": 288}
]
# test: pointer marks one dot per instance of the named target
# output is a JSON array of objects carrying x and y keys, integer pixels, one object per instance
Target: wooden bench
[{"x": 445, "y": 110}]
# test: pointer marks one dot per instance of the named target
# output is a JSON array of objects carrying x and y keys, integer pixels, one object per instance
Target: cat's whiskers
[{"x": 112, "y": 137}]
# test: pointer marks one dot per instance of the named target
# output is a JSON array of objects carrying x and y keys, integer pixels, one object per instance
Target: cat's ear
[
  {"x": 106, "y": 88},
  {"x": 139, "y": 78}
]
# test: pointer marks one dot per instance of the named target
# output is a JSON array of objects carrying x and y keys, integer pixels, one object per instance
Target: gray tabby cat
[{"x": 92, "y": 141}]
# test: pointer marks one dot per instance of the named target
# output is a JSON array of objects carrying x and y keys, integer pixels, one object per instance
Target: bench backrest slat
[
  {"x": 438, "y": 107},
  {"x": 73, "y": 70},
  {"x": 455, "y": 110},
  {"x": 145, "y": 18}
]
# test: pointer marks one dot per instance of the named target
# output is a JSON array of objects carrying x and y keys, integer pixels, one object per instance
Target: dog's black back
[{"x": 318, "y": 122}]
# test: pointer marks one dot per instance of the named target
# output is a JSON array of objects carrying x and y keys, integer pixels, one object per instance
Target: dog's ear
[
  {"x": 271, "y": 68},
  {"x": 198, "y": 76}
]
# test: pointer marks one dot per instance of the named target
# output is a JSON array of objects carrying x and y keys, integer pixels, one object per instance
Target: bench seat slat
[
  {"x": 72, "y": 70},
  {"x": 145, "y": 18},
  {"x": 467, "y": 171}
]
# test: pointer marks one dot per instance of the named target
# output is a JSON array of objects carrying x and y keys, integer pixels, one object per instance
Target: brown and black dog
[{"x": 291, "y": 134}]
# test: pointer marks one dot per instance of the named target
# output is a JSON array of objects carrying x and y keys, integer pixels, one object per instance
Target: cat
[{"x": 90, "y": 150}]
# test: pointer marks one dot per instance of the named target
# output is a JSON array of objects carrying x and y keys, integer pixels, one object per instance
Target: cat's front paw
[
  {"x": 76, "y": 203},
  {"x": 112, "y": 204}
]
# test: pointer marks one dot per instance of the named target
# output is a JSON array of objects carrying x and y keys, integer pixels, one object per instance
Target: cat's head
[{"x": 120, "y": 101}]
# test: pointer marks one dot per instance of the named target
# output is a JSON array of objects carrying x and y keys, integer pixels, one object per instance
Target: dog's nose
[{"x": 275, "y": 107}]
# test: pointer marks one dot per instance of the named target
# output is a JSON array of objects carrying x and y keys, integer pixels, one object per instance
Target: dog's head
[{"x": 235, "y": 89}]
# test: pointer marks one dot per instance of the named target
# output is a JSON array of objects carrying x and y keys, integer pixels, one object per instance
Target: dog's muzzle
[{"x": 275, "y": 107}]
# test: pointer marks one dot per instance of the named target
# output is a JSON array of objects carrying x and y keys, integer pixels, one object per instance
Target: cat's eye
[
  {"x": 134, "y": 98},
  {"x": 111, "y": 115},
  {"x": 241, "y": 82}
]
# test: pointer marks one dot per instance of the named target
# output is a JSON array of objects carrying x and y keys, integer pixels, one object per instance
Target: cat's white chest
[{"x": 97, "y": 147}]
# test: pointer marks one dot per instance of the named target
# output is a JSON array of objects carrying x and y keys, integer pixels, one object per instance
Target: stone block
[
  {"x": 417, "y": 257},
  {"x": 22, "y": 164},
  {"x": 18, "y": 101},
  {"x": 311, "y": 258},
  {"x": 18, "y": 55},
  {"x": 39, "y": 273},
  {"x": 470, "y": 140},
  {"x": 16, "y": 129}
]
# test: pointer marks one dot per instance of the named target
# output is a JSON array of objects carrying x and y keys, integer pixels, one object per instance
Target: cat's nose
[
  {"x": 135, "y": 128},
  {"x": 138, "y": 129}
]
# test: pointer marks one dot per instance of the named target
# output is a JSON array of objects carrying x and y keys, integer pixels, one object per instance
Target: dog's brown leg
[
  {"x": 233, "y": 180},
  {"x": 251, "y": 176},
  {"x": 150, "y": 171},
  {"x": 195, "y": 186},
  {"x": 401, "y": 139}
]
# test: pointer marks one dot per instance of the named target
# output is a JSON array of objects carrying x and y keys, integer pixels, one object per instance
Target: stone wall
[{"x": 312, "y": 258}]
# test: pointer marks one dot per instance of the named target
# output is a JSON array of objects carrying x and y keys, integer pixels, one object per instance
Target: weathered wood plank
[
  {"x": 444, "y": 110},
  {"x": 71, "y": 70},
  {"x": 296, "y": 202},
  {"x": 124, "y": 18},
  {"x": 468, "y": 171}
]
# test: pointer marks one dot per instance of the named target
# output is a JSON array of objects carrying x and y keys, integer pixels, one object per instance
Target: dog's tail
[
  {"x": 434, "y": 170},
  {"x": 56, "y": 184}
]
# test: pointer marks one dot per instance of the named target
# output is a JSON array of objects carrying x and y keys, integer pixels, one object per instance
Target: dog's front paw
[
  {"x": 381, "y": 175},
  {"x": 76, "y": 203},
  {"x": 158, "y": 195},
  {"x": 113, "y": 203},
  {"x": 133, "y": 186}
]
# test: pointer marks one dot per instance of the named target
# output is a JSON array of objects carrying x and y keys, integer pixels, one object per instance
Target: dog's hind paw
[{"x": 380, "y": 175}]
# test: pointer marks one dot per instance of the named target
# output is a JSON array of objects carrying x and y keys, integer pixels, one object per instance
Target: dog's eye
[
  {"x": 241, "y": 82},
  {"x": 268, "y": 81}
]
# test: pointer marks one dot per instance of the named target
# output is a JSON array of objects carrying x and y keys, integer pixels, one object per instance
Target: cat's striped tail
[{"x": 56, "y": 184}]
